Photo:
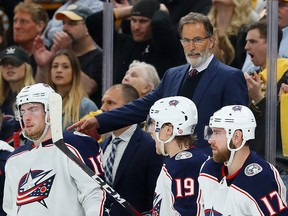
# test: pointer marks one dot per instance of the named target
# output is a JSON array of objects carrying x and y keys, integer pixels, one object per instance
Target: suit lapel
[
  {"x": 180, "y": 75},
  {"x": 129, "y": 152},
  {"x": 104, "y": 144},
  {"x": 204, "y": 82}
]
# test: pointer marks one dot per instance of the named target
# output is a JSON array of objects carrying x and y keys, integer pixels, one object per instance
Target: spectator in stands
[
  {"x": 176, "y": 8},
  {"x": 8, "y": 7},
  {"x": 283, "y": 23},
  {"x": 142, "y": 76},
  {"x": 223, "y": 49},
  {"x": 15, "y": 73},
  {"x": 154, "y": 39},
  {"x": 65, "y": 78},
  {"x": 3, "y": 34},
  {"x": 256, "y": 47},
  {"x": 29, "y": 21},
  {"x": 179, "y": 8},
  {"x": 75, "y": 36},
  {"x": 54, "y": 25},
  {"x": 230, "y": 17}
]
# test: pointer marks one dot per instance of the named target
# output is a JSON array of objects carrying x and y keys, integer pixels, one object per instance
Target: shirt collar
[
  {"x": 126, "y": 135},
  {"x": 285, "y": 29}
]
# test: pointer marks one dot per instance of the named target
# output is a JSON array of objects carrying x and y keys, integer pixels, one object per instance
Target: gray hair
[
  {"x": 153, "y": 78},
  {"x": 193, "y": 18}
]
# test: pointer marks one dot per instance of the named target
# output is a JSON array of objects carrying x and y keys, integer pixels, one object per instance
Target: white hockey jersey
[
  {"x": 177, "y": 188},
  {"x": 255, "y": 189},
  {"x": 44, "y": 181}
]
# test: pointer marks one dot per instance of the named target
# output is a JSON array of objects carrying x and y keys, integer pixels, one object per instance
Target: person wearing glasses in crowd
[
  {"x": 74, "y": 36},
  {"x": 15, "y": 73},
  {"x": 213, "y": 86}
]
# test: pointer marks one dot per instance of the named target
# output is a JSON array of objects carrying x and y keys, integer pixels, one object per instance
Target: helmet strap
[
  {"x": 233, "y": 151},
  {"x": 47, "y": 124},
  {"x": 163, "y": 142}
]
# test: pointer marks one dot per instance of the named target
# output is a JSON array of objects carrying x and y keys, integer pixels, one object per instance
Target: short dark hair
[
  {"x": 262, "y": 27},
  {"x": 193, "y": 18},
  {"x": 129, "y": 92}
]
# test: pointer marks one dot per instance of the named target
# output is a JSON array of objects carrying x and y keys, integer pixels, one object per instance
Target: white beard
[{"x": 200, "y": 60}]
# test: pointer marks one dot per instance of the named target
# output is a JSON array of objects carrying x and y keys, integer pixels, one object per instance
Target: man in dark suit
[
  {"x": 215, "y": 85},
  {"x": 135, "y": 167}
]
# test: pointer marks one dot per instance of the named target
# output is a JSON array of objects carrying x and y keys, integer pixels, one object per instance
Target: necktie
[
  {"x": 108, "y": 169},
  {"x": 193, "y": 72}
]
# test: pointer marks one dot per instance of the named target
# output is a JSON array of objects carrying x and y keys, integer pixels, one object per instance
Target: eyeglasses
[
  {"x": 13, "y": 62},
  {"x": 196, "y": 40}
]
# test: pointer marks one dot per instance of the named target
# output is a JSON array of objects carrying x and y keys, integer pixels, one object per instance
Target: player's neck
[
  {"x": 47, "y": 136},
  {"x": 238, "y": 161},
  {"x": 172, "y": 148}
]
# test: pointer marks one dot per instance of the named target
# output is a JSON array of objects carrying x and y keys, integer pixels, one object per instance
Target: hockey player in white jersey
[
  {"x": 173, "y": 122},
  {"x": 40, "y": 179},
  {"x": 237, "y": 181}
]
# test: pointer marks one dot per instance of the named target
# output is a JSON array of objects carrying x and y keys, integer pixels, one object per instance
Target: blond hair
[
  {"x": 242, "y": 15},
  {"x": 5, "y": 87},
  {"x": 223, "y": 50},
  {"x": 71, "y": 101}
]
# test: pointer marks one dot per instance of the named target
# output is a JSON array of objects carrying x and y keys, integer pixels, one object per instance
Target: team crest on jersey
[
  {"x": 183, "y": 155},
  {"x": 34, "y": 186},
  {"x": 253, "y": 169},
  {"x": 157, "y": 206},
  {"x": 212, "y": 212},
  {"x": 79, "y": 134}
]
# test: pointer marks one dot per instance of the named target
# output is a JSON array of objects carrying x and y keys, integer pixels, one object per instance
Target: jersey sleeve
[
  {"x": 86, "y": 149},
  {"x": 90, "y": 195},
  {"x": 7, "y": 196},
  {"x": 260, "y": 189}
]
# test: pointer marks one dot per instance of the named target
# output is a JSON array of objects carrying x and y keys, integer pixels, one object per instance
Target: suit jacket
[
  {"x": 220, "y": 85},
  {"x": 137, "y": 173}
]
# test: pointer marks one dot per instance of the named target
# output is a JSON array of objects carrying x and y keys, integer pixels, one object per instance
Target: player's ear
[
  {"x": 237, "y": 138},
  {"x": 169, "y": 129},
  {"x": 212, "y": 41}
]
